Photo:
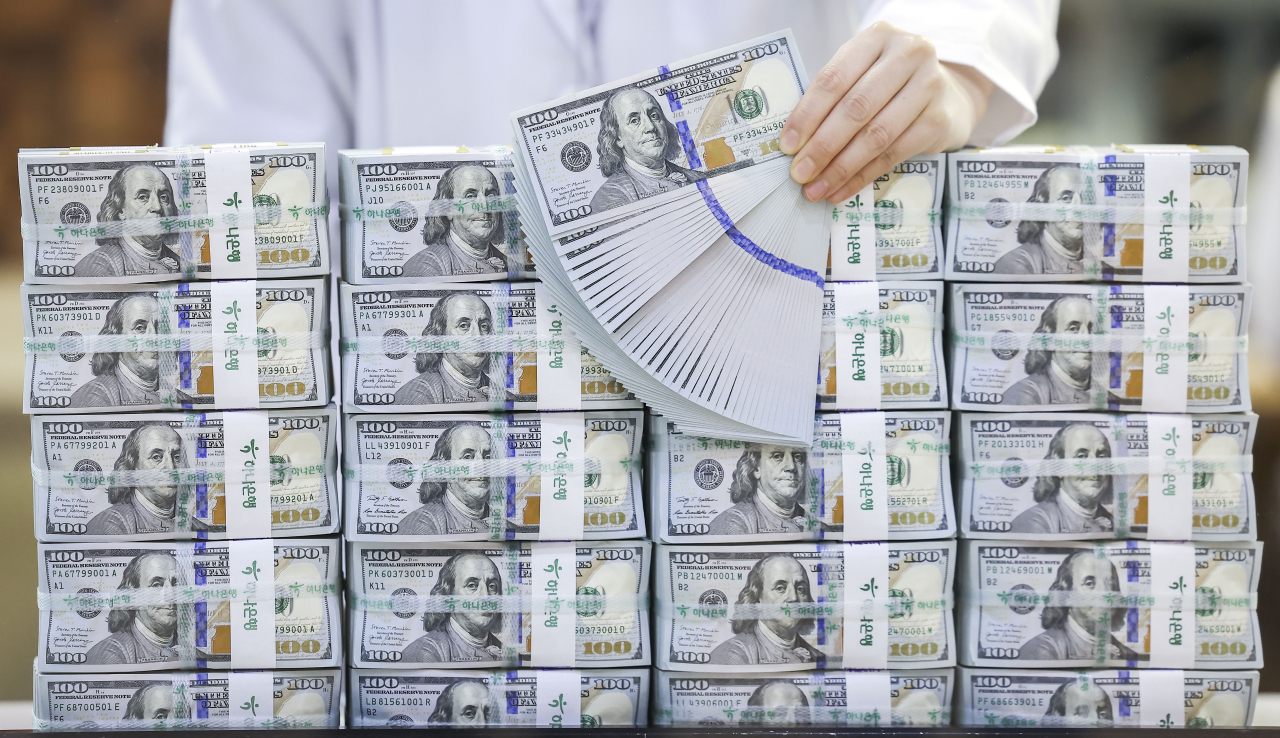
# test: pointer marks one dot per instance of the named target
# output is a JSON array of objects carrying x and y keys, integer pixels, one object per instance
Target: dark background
[{"x": 77, "y": 73}]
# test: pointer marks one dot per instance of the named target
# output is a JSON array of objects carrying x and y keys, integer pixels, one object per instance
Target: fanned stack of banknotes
[{"x": 618, "y": 397}]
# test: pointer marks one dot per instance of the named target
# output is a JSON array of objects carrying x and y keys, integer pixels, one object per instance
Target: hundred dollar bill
[
  {"x": 590, "y": 698},
  {"x": 183, "y": 700},
  {"x": 1128, "y": 214},
  {"x": 782, "y": 607},
  {"x": 915, "y": 698},
  {"x": 440, "y": 213},
  {"x": 119, "y": 214},
  {"x": 91, "y": 475},
  {"x": 893, "y": 228},
  {"x": 107, "y": 349},
  {"x": 1037, "y": 604},
  {"x": 709, "y": 490},
  {"x": 1026, "y": 698},
  {"x": 476, "y": 605},
  {"x": 908, "y": 353},
  {"x": 697, "y": 119},
  {"x": 1010, "y": 487},
  {"x": 442, "y": 347},
  {"x": 1091, "y": 347},
  {"x": 423, "y": 477},
  {"x": 150, "y": 606}
]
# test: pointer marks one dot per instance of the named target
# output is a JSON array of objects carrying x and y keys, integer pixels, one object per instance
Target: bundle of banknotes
[
  {"x": 554, "y": 698},
  {"x": 892, "y": 229},
  {"x": 156, "y": 476},
  {"x": 478, "y": 477},
  {"x": 430, "y": 213},
  {"x": 1172, "y": 214},
  {"x": 198, "y": 700},
  {"x": 874, "y": 699},
  {"x": 118, "y": 215},
  {"x": 805, "y": 606},
  {"x": 496, "y": 605},
  {"x": 169, "y": 347},
  {"x": 1104, "y": 698},
  {"x": 148, "y": 606},
  {"x": 1077, "y": 476},
  {"x": 709, "y": 490},
  {"x": 662, "y": 218}
]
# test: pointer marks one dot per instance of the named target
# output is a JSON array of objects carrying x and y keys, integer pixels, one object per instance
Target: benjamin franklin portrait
[
  {"x": 137, "y": 191},
  {"x": 1072, "y": 633},
  {"x": 127, "y": 377},
  {"x": 146, "y": 634},
  {"x": 777, "y": 579},
  {"x": 638, "y": 147},
  {"x": 461, "y": 504},
  {"x": 768, "y": 492},
  {"x": 1071, "y": 504},
  {"x": 468, "y": 634},
  {"x": 465, "y": 242},
  {"x": 455, "y": 376},
  {"x": 1057, "y": 377},
  {"x": 143, "y": 508},
  {"x": 1050, "y": 247}
]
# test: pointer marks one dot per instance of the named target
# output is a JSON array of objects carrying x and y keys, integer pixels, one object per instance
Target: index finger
[{"x": 852, "y": 61}]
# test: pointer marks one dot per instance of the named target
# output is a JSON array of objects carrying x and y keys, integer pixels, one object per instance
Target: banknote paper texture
[
  {"x": 152, "y": 347},
  {"x": 1125, "y": 214},
  {"x": 121, "y": 215},
  {"x": 441, "y": 213},
  {"x": 1077, "y": 605},
  {"x": 707, "y": 490},
  {"x": 782, "y": 607},
  {"x": 156, "y": 476},
  {"x": 1073, "y": 476},
  {"x": 472, "y": 605},
  {"x": 296, "y": 698},
  {"x": 1034, "y": 698},
  {"x": 422, "y": 477},
  {"x": 1083, "y": 347},
  {"x": 401, "y": 699},
  {"x": 478, "y": 350},
  {"x": 907, "y": 698},
  {"x": 148, "y": 606}
]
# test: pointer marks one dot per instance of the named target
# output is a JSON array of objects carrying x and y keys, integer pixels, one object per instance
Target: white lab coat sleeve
[
  {"x": 269, "y": 70},
  {"x": 1011, "y": 42}
]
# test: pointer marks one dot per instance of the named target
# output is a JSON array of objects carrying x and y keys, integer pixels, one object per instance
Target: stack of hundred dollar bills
[
  {"x": 1109, "y": 561},
  {"x": 176, "y": 324},
  {"x": 496, "y": 568}
]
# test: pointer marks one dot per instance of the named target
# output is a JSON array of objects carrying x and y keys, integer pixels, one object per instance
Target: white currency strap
[
  {"x": 233, "y": 309},
  {"x": 862, "y": 461},
  {"x": 857, "y": 384},
  {"x": 868, "y": 698},
  {"x": 853, "y": 238},
  {"x": 560, "y": 362},
  {"x": 559, "y": 696},
  {"x": 250, "y": 698},
  {"x": 253, "y": 619},
  {"x": 1166, "y": 242},
  {"x": 562, "y": 502},
  {"x": 246, "y": 456},
  {"x": 228, "y": 185},
  {"x": 1165, "y": 317},
  {"x": 555, "y": 572},
  {"x": 1161, "y": 697},
  {"x": 1169, "y": 495},
  {"x": 866, "y": 621},
  {"x": 1173, "y": 626}
]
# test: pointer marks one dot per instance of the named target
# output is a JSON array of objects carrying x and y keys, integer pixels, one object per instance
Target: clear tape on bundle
[
  {"x": 171, "y": 342},
  {"x": 818, "y": 716},
  {"x": 897, "y": 607},
  {"x": 1204, "y": 601},
  {"x": 1098, "y": 342},
  {"x": 507, "y": 467},
  {"x": 1124, "y": 465},
  {"x": 977, "y": 717},
  {"x": 585, "y": 605},
  {"x": 87, "y": 478},
  {"x": 887, "y": 320},
  {"x": 890, "y": 217},
  {"x": 999, "y": 211},
  {"x": 918, "y": 449},
  {"x": 427, "y": 207},
  {"x": 180, "y": 595},
  {"x": 259, "y": 215},
  {"x": 502, "y": 343},
  {"x": 210, "y": 723}
]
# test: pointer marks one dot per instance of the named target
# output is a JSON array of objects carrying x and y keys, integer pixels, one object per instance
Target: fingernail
[
  {"x": 816, "y": 191},
  {"x": 802, "y": 170},
  {"x": 790, "y": 141}
]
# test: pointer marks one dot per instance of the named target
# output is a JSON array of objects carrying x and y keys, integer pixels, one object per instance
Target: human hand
[{"x": 884, "y": 97}]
